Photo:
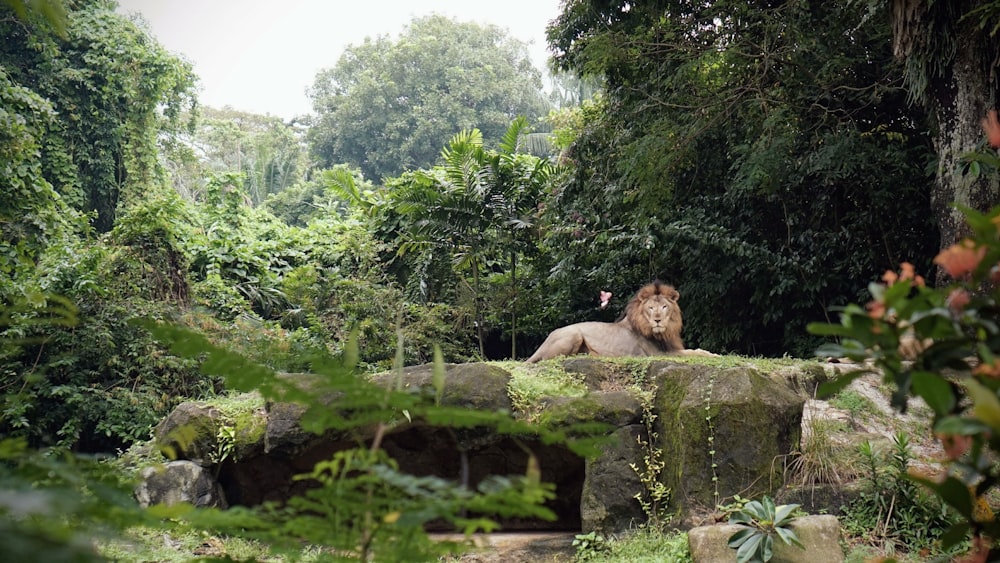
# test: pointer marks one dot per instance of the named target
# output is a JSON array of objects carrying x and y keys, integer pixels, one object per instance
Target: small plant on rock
[
  {"x": 761, "y": 521},
  {"x": 589, "y": 545}
]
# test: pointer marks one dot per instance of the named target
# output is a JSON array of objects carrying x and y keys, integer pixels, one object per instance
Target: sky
[{"x": 260, "y": 56}]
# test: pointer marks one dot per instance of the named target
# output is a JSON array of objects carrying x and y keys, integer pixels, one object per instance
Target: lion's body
[{"x": 651, "y": 327}]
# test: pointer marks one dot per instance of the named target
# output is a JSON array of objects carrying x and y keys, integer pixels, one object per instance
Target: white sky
[{"x": 261, "y": 55}]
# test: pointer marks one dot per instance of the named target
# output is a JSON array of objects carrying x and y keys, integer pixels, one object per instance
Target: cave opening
[{"x": 422, "y": 450}]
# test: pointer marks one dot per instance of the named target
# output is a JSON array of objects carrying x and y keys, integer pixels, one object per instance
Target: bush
[{"x": 953, "y": 333}]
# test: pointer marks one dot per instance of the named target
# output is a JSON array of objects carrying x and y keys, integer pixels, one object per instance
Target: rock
[
  {"x": 179, "y": 481},
  {"x": 735, "y": 418},
  {"x": 614, "y": 408},
  {"x": 607, "y": 502},
  {"x": 819, "y": 534},
  {"x": 754, "y": 418},
  {"x": 189, "y": 432},
  {"x": 475, "y": 386},
  {"x": 594, "y": 371}
]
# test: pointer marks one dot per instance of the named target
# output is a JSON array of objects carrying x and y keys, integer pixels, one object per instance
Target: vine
[
  {"x": 711, "y": 435},
  {"x": 656, "y": 496}
]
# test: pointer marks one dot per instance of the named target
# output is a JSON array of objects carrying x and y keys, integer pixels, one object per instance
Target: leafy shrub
[
  {"x": 380, "y": 317},
  {"x": 954, "y": 331},
  {"x": 102, "y": 383},
  {"x": 892, "y": 512},
  {"x": 761, "y": 521}
]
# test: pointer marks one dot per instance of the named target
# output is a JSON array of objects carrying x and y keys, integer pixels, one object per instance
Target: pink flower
[
  {"x": 605, "y": 298},
  {"x": 958, "y": 299}
]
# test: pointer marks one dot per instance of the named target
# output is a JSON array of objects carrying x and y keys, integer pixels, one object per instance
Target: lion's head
[{"x": 655, "y": 314}]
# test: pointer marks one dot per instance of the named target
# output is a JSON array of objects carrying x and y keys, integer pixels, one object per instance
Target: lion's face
[
  {"x": 657, "y": 311},
  {"x": 655, "y": 314}
]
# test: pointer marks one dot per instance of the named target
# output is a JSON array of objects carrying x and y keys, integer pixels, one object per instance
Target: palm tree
[{"x": 476, "y": 206}]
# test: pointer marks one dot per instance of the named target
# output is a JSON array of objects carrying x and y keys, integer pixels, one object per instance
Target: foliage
[
  {"x": 115, "y": 93},
  {"x": 589, "y": 546},
  {"x": 37, "y": 226},
  {"x": 655, "y": 498},
  {"x": 892, "y": 512},
  {"x": 387, "y": 105},
  {"x": 761, "y": 521},
  {"x": 645, "y": 545},
  {"x": 364, "y": 507},
  {"x": 321, "y": 198},
  {"x": 478, "y": 209},
  {"x": 954, "y": 371},
  {"x": 56, "y": 506},
  {"x": 764, "y": 155},
  {"x": 268, "y": 154}
]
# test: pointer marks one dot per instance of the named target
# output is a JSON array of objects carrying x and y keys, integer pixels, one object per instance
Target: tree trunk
[
  {"x": 513, "y": 305},
  {"x": 960, "y": 101}
]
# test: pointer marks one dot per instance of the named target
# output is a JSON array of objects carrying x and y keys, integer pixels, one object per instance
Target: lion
[{"x": 651, "y": 327}]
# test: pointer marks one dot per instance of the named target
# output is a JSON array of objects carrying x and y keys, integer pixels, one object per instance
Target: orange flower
[
  {"x": 954, "y": 445},
  {"x": 989, "y": 370},
  {"x": 906, "y": 272},
  {"x": 960, "y": 259},
  {"x": 876, "y": 309},
  {"x": 958, "y": 299},
  {"x": 991, "y": 126},
  {"x": 890, "y": 277}
]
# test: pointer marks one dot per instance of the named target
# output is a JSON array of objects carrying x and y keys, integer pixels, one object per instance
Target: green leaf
[
  {"x": 960, "y": 426},
  {"x": 985, "y": 404},
  {"x": 788, "y": 536},
  {"x": 952, "y": 491},
  {"x": 783, "y": 512},
  {"x": 934, "y": 390},
  {"x": 766, "y": 550},
  {"x": 740, "y": 537},
  {"x": 829, "y": 329},
  {"x": 955, "y": 535},
  {"x": 749, "y": 547}
]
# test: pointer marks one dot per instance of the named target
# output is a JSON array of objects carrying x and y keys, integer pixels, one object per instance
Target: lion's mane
[{"x": 634, "y": 335}]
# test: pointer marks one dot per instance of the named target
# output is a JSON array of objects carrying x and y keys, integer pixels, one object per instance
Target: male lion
[{"x": 651, "y": 327}]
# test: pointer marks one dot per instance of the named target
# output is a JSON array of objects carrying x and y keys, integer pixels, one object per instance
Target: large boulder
[
  {"x": 819, "y": 534},
  {"x": 179, "y": 481},
  {"x": 745, "y": 418},
  {"x": 722, "y": 431},
  {"x": 608, "y": 502}
]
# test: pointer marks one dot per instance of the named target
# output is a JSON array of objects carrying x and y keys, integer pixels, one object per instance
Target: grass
[
  {"x": 820, "y": 458},
  {"x": 856, "y": 404},
  {"x": 643, "y": 545},
  {"x": 147, "y": 544}
]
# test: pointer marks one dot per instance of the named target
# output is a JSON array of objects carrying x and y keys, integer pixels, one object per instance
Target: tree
[
  {"x": 114, "y": 92},
  {"x": 478, "y": 206},
  {"x": 950, "y": 49},
  {"x": 387, "y": 106},
  {"x": 268, "y": 153},
  {"x": 760, "y": 156}
]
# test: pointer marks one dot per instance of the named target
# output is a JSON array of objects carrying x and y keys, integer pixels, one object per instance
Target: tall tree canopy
[
  {"x": 759, "y": 155},
  {"x": 112, "y": 88},
  {"x": 265, "y": 151},
  {"x": 389, "y": 106}
]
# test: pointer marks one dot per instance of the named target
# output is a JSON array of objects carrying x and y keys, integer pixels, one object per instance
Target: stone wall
[{"x": 719, "y": 431}]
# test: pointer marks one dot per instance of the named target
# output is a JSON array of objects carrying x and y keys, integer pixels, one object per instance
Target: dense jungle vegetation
[{"x": 769, "y": 159}]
